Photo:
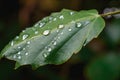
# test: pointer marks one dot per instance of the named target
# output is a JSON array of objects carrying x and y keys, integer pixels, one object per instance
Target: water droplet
[
  {"x": 23, "y": 31},
  {"x": 54, "y": 19},
  {"x": 87, "y": 22},
  {"x": 61, "y": 17},
  {"x": 24, "y": 37},
  {"x": 69, "y": 29},
  {"x": 61, "y": 32},
  {"x": 58, "y": 37},
  {"x": 36, "y": 32},
  {"x": 54, "y": 43},
  {"x": 42, "y": 24},
  {"x": 46, "y": 32},
  {"x": 23, "y": 48},
  {"x": 12, "y": 43},
  {"x": 17, "y": 37},
  {"x": 36, "y": 25},
  {"x": 79, "y": 24},
  {"x": 61, "y": 26},
  {"x": 14, "y": 56},
  {"x": 49, "y": 49},
  {"x": 26, "y": 53},
  {"x": 45, "y": 55},
  {"x": 19, "y": 47},
  {"x": 71, "y": 13},
  {"x": 28, "y": 42},
  {"x": 50, "y": 18},
  {"x": 19, "y": 57},
  {"x": 19, "y": 53},
  {"x": 57, "y": 30}
]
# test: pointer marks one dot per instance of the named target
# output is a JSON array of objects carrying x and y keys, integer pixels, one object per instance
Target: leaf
[
  {"x": 106, "y": 67},
  {"x": 54, "y": 39}
]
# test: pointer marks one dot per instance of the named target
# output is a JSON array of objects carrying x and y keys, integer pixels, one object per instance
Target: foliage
[{"x": 54, "y": 39}]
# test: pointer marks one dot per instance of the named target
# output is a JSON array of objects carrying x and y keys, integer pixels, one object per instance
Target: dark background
[{"x": 99, "y": 60}]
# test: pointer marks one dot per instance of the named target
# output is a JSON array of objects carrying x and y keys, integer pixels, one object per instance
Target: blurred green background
[{"x": 99, "y": 60}]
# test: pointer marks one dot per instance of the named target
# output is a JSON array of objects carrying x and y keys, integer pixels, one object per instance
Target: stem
[{"x": 111, "y": 13}]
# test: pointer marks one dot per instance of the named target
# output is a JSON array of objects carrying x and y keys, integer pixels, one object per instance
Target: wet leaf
[{"x": 54, "y": 39}]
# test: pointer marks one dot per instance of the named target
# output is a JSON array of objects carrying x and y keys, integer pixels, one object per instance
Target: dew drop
[
  {"x": 58, "y": 37},
  {"x": 46, "y": 32},
  {"x": 54, "y": 19},
  {"x": 36, "y": 32},
  {"x": 19, "y": 53},
  {"x": 61, "y": 32},
  {"x": 28, "y": 42},
  {"x": 57, "y": 30},
  {"x": 36, "y": 25},
  {"x": 87, "y": 22},
  {"x": 12, "y": 43},
  {"x": 69, "y": 29},
  {"x": 17, "y": 37},
  {"x": 19, "y": 57},
  {"x": 23, "y": 31},
  {"x": 23, "y": 48},
  {"x": 71, "y": 13},
  {"x": 42, "y": 24},
  {"x": 61, "y": 17},
  {"x": 54, "y": 43},
  {"x": 79, "y": 25},
  {"x": 45, "y": 55},
  {"x": 61, "y": 26},
  {"x": 49, "y": 49},
  {"x": 24, "y": 37},
  {"x": 14, "y": 56},
  {"x": 26, "y": 53},
  {"x": 19, "y": 47},
  {"x": 50, "y": 18}
]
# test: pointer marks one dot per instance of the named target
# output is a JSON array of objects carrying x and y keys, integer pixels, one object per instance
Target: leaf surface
[{"x": 55, "y": 38}]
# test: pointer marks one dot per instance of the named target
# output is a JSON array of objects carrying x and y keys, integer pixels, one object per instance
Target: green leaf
[
  {"x": 54, "y": 39},
  {"x": 106, "y": 67}
]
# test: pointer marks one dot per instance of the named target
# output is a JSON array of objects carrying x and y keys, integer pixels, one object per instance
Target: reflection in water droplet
[
  {"x": 45, "y": 55},
  {"x": 54, "y": 43},
  {"x": 79, "y": 24},
  {"x": 87, "y": 22},
  {"x": 36, "y": 25},
  {"x": 61, "y": 17},
  {"x": 71, "y": 13},
  {"x": 19, "y": 53},
  {"x": 24, "y": 37},
  {"x": 36, "y": 32},
  {"x": 69, "y": 29},
  {"x": 28, "y": 42},
  {"x": 17, "y": 37},
  {"x": 23, "y": 48},
  {"x": 19, "y": 57},
  {"x": 58, "y": 37},
  {"x": 46, "y": 32},
  {"x": 57, "y": 30},
  {"x": 61, "y": 32},
  {"x": 19, "y": 47},
  {"x": 42, "y": 24},
  {"x": 54, "y": 19},
  {"x": 26, "y": 53},
  {"x": 61, "y": 26},
  {"x": 12, "y": 43},
  {"x": 14, "y": 56},
  {"x": 50, "y": 18},
  {"x": 23, "y": 31},
  {"x": 49, "y": 49}
]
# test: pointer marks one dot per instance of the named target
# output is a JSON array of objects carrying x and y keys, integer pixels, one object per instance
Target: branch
[{"x": 111, "y": 13}]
